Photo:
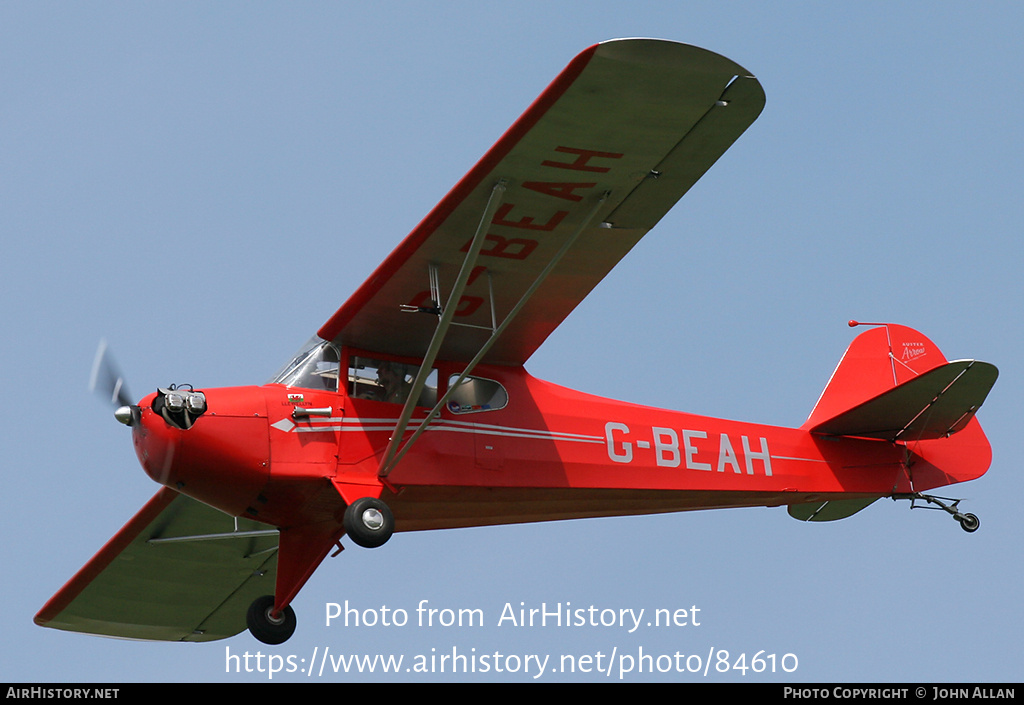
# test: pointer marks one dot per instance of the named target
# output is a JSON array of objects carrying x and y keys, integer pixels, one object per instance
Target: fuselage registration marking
[{"x": 673, "y": 449}]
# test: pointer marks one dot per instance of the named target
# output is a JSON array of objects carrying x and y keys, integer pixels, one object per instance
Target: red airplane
[{"x": 410, "y": 408}]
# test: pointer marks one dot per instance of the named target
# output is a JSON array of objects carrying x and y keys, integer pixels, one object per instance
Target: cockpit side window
[
  {"x": 476, "y": 394},
  {"x": 387, "y": 380}
]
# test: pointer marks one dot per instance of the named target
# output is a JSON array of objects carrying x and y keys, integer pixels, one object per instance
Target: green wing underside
[
  {"x": 143, "y": 586},
  {"x": 660, "y": 113}
]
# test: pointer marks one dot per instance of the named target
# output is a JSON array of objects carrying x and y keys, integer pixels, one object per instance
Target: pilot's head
[{"x": 389, "y": 372}]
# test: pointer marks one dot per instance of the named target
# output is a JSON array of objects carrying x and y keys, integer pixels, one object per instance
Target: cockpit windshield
[{"x": 315, "y": 366}]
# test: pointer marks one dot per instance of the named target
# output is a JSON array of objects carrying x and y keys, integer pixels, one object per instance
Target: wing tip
[{"x": 667, "y": 52}]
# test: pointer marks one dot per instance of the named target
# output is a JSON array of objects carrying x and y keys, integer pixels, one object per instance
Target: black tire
[
  {"x": 369, "y": 522},
  {"x": 264, "y": 626},
  {"x": 969, "y": 523}
]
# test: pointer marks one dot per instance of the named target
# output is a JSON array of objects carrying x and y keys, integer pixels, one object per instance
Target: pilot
[{"x": 391, "y": 378}]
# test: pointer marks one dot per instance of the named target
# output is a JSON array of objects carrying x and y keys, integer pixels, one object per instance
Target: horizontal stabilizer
[
  {"x": 830, "y": 510},
  {"x": 935, "y": 404}
]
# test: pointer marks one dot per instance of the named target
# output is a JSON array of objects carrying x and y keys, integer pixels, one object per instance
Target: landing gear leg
[
  {"x": 968, "y": 522},
  {"x": 266, "y": 626}
]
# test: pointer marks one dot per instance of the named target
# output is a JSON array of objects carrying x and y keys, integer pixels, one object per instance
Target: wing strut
[
  {"x": 392, "y": 455},
  {"x": 444, "y": 320}
]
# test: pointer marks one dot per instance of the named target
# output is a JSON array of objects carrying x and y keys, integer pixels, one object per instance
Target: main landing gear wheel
[
  {"x": 369, "y": 522},
  {"x": 265, "y": 626}
]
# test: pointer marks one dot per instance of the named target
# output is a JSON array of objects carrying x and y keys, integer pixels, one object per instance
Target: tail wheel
[
  {"x": 369, "y": 522},
  {"x": 969, "y": 522},
  {"x": 267, "y": 627}
]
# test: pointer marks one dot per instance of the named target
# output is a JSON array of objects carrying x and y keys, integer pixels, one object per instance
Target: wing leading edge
[
  {"x": 177, "y": 571},
  {"x": 636, "y": 122}
]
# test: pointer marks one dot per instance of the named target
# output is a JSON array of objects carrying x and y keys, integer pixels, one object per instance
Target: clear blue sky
[{"x": 204, "y": 184}]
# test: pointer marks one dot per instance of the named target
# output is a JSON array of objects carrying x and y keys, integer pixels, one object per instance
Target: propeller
[{"x": 107, "y": 381}]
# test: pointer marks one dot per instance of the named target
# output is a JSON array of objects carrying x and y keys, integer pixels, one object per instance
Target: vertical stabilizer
[{"x": 876, "y": 361}]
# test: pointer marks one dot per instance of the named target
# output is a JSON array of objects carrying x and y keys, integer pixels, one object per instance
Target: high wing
[
  {"x": 597, "y": 160},
  {"x": 177, "y": 571}
]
